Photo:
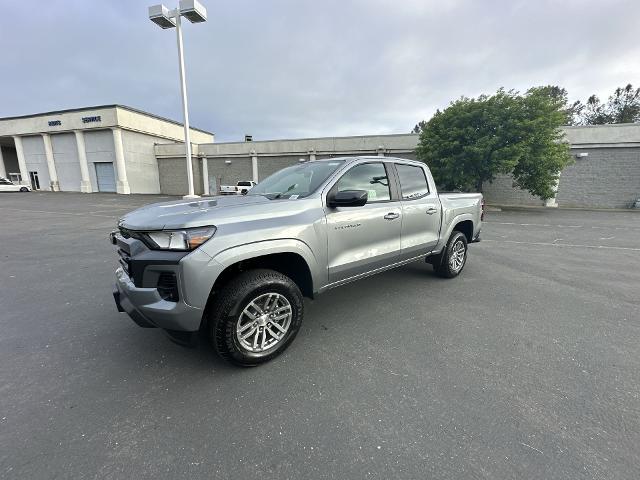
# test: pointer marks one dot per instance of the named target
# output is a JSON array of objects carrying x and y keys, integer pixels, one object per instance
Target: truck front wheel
[
  {"x": 255, "y": 317},
  {"x": 454, "y": 256}
]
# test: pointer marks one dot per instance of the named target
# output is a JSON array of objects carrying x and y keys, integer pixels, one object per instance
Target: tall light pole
[{"x": 193, "y": 11}]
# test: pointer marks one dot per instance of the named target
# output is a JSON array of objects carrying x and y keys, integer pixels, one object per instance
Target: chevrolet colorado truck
[{"x": 237, "y": 268}]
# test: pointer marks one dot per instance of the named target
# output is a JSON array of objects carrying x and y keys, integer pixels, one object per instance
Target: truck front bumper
[{"x": 148, "y": 309}]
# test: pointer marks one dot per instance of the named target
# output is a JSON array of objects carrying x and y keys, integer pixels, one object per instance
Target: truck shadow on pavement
[{"x": 370, "y": 300}]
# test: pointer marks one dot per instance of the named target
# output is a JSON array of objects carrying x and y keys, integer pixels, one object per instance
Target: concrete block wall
[
  {"x": 173, "y": 177},
  {"x": 229, "y": 173},
  {"x": 606, "y": 178},
  {"x": 503, "y": 192},
  {"x": 271, "y": 164},
  {"x": 609, "y": 177}
]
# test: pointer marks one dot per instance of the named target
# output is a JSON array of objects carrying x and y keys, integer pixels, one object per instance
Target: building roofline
[
  {"x": 317, "y": 138},
  {"x": 102, "y": 107},
  {"x": 608, "y": 125}
]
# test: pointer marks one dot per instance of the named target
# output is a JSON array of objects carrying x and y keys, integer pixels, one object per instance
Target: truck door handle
[
  {"x": 431, "y": 210},
  {"x": 391, "y": 216}
]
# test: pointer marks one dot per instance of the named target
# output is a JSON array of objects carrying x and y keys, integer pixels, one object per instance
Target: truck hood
[{"x": 188, "y": 213}]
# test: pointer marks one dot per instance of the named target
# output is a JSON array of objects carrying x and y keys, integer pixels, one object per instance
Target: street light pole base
[{"x": 191, "y": 197}]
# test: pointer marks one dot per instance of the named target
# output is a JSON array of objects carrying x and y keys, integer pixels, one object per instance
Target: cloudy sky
[{"x": 298, "y": 68}]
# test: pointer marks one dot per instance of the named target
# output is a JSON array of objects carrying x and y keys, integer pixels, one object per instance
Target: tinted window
[
  {"x": 244, "y": 184},
  {"x": 370, "y": 177},
  {"x": 413, "y": 181}
]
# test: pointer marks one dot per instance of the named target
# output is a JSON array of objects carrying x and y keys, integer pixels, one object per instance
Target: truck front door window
[{"x": 370, "y": 177}]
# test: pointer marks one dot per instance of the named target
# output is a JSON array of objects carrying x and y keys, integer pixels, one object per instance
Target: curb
[{"x": 500, "y": 208}]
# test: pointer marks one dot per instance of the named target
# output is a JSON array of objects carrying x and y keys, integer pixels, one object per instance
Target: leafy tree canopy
[
  {"x": 475, "y": 139},
  {"x": 622, "y": 107}
]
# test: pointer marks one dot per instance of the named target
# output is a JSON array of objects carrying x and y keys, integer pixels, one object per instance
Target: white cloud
[{"x": 288, "y": 68}]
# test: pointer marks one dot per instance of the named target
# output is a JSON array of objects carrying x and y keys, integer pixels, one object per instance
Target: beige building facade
[{"x": 108, "y": 148}]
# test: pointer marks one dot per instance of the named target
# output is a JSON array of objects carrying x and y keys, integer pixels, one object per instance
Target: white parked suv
[{"x": 9, "y": 186}]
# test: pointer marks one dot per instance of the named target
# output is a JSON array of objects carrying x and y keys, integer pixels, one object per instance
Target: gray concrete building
[
  {"x": 605, "y": 172},
  {"x": 227, "y": 163},
  {"x": 115, "y": 148},
  {"x": 108, "y": 148}
]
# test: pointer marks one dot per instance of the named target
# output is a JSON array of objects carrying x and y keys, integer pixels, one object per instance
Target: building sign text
[{"x": 96, "y": 118}]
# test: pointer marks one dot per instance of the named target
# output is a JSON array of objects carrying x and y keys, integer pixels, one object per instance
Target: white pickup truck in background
[{"x": 241, "y": 188}]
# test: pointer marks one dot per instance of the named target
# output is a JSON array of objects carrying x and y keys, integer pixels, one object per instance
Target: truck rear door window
[{"x": 413, "y": 181}]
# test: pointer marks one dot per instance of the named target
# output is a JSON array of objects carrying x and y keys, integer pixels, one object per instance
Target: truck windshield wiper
[{"x": 279, "y": 195}]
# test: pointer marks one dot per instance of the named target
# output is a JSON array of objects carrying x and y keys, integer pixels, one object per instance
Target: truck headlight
[{"x": 186, "y": 239}]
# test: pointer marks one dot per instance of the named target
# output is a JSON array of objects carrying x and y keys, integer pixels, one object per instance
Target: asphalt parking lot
[{"x": 527, "y": 366}]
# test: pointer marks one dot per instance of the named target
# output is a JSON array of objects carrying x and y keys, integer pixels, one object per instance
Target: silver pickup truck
[{"x": 237, "y": 268}]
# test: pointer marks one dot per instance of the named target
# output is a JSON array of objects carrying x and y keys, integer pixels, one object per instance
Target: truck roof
[{"x": 370, "y": 157}]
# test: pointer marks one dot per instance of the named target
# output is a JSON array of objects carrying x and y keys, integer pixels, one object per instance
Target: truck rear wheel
[
  {"x": 255, "y": 317},
  {"x": 454, "y": 256}
]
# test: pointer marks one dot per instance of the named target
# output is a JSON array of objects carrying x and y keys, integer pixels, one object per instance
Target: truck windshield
[{"x": 298, "y": 181}]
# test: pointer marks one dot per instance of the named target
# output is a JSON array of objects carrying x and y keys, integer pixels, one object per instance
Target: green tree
[
  {"x": 419, "y": 126},
  {"x": 595, "y": 112},
  {"x": 624, "y": 105},
  {"x": 561, "y": 97},
  {"x": 621, "y": 107},
  {"x": 475, "y": 139}
]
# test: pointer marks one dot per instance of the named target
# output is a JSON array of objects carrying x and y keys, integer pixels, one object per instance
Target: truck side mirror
[{"x": 348, "y": 198}]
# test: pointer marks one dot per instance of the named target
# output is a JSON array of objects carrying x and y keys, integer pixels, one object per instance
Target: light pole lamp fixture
[
  {"x": 159, "y": 14},
  {"x": 195, "y": 12}
]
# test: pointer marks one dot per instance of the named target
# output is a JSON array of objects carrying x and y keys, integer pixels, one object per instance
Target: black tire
[
  {"x": 24, "y": 189},
  {"x": 446, "y": 268},
  {"x": 230, "y": 304}
]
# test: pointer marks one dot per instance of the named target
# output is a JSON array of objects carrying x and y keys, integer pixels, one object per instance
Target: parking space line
[
  {"x": 574, "y": 245},
  {"x": 79, "y": 214},
  {"x": 560, "y": 225},
  {"x": 535, "y": 224}
]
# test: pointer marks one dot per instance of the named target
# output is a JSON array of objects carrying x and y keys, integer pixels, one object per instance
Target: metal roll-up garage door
[{"x": 106, "y": 176}]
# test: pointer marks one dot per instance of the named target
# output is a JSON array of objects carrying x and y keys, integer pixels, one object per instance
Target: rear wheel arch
[{"x": 466, "y": 227}]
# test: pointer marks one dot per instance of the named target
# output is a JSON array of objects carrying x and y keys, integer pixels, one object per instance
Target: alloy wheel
[
  {"x": 458, "y": 252},
  {"x": 264, "y": 322}
]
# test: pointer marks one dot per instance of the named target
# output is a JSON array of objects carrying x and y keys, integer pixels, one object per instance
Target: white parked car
[{"x": 9, "y": 186}]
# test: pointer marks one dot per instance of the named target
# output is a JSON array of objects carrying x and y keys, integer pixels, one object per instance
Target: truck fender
[
  {"x": 444, "y": 237},
  {"x": 247, "y": 251},
  {"x": 266, "y": 247},
  {"x": 202, "y": 277}
]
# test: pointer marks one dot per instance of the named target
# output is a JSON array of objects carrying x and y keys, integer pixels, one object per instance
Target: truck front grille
[{"x": 125, "y": 261}]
